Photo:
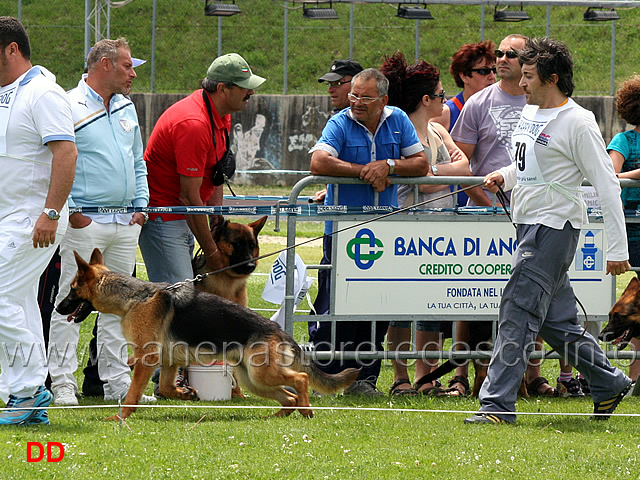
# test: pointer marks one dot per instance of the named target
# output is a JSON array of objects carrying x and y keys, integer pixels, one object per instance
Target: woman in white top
[{"x": 417, "y": 90}]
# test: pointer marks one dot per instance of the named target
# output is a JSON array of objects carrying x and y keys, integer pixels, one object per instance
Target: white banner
[{"x": 448, "y": 268}]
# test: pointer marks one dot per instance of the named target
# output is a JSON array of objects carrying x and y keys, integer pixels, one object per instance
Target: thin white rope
[{"x": 336, "y": 408}]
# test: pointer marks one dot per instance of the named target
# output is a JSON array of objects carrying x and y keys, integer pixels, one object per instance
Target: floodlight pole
[
  {"x": 548, "y": 30},
  {"x": 219, "y": 36},
  {"x": 482, "y": 23},
  {"x": 417, "y": 39},
  {"x": 286, "y": 47},
  {"x": 612, "y": 86},
  {"x": 351, "y": 31},
  {"x": 153, "y": 45}
]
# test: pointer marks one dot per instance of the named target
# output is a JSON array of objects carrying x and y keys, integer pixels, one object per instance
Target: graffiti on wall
[
  {"x": 247, "y": 145},
  {"x": 304, "y": 140}
]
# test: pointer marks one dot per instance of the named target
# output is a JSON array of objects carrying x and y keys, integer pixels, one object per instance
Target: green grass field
[{"x": 359, "y": 438}]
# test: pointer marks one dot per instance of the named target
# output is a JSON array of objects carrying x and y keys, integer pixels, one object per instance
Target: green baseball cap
[{"x": 234, "y": 69}]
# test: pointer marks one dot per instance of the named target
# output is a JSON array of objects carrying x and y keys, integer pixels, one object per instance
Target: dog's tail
[{"x": 325, "y": 382}]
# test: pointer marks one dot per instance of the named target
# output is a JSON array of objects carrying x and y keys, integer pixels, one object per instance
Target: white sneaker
[
  {"x": 65, "y": 395},
  {"x": 144, "y": 400}
]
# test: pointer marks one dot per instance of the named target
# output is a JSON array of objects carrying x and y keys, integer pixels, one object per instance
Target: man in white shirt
[
  {"x": 556, "y": 144},
  {"x": 38, "y": 156}
]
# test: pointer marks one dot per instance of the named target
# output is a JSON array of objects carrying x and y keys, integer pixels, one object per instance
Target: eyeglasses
[
  {"x": 442, "y": 95},
  {"x": 338, "y": 83},
  {"x": 484, "y": 71},
  {"x": 363, "y": 100},
  {"x": 508, "y": 53}
]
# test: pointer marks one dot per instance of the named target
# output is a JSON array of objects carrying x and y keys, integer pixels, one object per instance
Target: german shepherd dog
[
  {"x": 238, "y": 244},
  {"x": 171, "y": 325},
  {"x": 624, "y": 317}
]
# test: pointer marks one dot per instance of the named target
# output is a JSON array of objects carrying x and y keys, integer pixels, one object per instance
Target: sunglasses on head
[
  {"x": 508, "y": 53},
  {"x": 484, "y": 71}
]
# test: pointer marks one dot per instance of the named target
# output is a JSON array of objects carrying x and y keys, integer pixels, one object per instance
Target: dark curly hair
[
  {"x": 628, "y": 101},
  {"x": 409, "y": 83},
  {"x": 467, "y": 56},
  {"x": 550, "y": 57}
]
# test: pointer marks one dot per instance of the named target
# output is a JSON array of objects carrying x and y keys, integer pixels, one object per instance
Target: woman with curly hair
[
  {"x": 417, "y": 90},
  {"x": 624, "y": 151}
]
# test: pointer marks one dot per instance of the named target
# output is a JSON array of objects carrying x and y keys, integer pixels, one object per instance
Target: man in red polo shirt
[{"x": 181, "y": 156}]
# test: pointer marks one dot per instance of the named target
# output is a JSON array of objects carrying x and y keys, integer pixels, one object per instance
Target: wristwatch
[
  {"x": 51, "y": 213},
  {"x": 146, "y": 217},
  {"x": 434, "y": 169},
  {"x": 392, "y": 164}
]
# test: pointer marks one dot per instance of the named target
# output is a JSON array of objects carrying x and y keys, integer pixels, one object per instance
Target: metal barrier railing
[{"x": 491, "y": 214}]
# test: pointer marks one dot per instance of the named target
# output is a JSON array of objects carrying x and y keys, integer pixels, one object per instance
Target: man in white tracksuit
[
  {"x": 556, "y": 145},
  {"x": 38, "y": 156}
]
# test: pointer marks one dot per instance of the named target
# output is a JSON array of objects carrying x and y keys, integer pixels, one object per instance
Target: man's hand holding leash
[{"x": 493, "y": 180}]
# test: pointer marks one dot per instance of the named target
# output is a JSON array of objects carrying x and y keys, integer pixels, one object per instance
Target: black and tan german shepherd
[
  {"x": 624, "y": 317},
  {"x": 238, "y": 245},
  {"x": 172, "y": 325}
]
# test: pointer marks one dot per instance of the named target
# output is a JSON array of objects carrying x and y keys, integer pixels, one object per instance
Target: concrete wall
[{"x": 276, "y": 131}]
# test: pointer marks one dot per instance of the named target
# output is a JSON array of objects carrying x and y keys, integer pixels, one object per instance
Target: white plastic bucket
[{"x": 213, "y": 382}]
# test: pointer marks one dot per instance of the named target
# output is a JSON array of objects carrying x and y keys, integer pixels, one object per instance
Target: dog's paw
[{"x": 187, "y": 393}]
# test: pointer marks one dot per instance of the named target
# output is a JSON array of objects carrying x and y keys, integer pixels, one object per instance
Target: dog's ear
[
  {"x": 96, "y": 257},
  {"x": 634, "y": 285},
  {"x": 83, "y": 266},
  {"x": 215, "y": 224},
  {"x": 258, "y": 225}
]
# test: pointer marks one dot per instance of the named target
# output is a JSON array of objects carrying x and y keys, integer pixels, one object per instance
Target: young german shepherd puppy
[
  {"x": 624, "y": 317},
  {"x": 171, "y": 325},
  {"x": 237, "y": 243}
]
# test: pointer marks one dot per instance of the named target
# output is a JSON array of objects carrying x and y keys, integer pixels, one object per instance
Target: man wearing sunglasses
[
  {"x": 370, "y": 141},
  {"x": 339, "y": 79},
  {"x": 483, "y": 130}
]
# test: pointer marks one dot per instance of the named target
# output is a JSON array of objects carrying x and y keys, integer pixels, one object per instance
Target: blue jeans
[{"x": 167, "y": 249}]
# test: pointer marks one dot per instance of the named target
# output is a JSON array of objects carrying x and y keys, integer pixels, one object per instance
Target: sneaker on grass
[
  {"x": 64, "y": 395},
  {"x": 570, "y": 388},
  {"x": 144, "y": 400},
  {"x": 603, "y": 410},
  {"x": 21, "y": 410},
  {"x": 584, "y": 385},
  {"x": 486, "y": 418}
]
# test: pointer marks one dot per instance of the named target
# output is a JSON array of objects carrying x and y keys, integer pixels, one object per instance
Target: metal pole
[
  {"x": 612, "y": 86},
  {"x": 98, "y": 23},
  {"x": 108, "y": 19},
  {"x": 548, "y": 31},
  {"x": 417, "y": 40},
  {"x": 482, "y": 23},
  {"x": 153, "y": 45},
  {"x": 286, "y": 47},
  {"x": 351, "y": 31},
  {"x": 20, "y": 10},
  {"x": 219, "y": 36},
  {"x": 87, "y": 27}
]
